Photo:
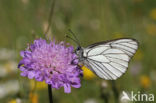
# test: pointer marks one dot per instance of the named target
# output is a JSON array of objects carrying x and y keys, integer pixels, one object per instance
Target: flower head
[
  {"x": 54, "y": 63},
  {"x": 145, "y": 81}
]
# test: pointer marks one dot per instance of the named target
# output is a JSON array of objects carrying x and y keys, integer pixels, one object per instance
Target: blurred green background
[{"x": 21, "y": 21}]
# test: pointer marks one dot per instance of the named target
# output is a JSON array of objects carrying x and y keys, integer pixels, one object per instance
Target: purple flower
[{"x": 54, "y": 63}]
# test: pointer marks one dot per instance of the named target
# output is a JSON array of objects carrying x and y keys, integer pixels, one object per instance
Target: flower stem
[
  {"x": 50, "y": 18},
  {"x": 115, "y": 91},
  {"x": 50, "y": 93}
]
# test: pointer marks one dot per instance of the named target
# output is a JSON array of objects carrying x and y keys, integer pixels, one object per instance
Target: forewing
[{"x": 109, "y": 60}]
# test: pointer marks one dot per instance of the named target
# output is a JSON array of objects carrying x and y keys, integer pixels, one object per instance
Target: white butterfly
[{"x": 108, "y": 59}]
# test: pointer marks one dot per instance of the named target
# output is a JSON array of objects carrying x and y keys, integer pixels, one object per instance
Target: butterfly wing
[{"x": 109, "y": 60}]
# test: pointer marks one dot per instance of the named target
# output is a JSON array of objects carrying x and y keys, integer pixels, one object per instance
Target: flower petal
[
  {"x": 67, "y": 88},
  {"x": 31, "y": 74}
]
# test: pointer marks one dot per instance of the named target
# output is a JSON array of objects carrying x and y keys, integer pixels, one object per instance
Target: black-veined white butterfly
[{"x": 107, "y": 59}]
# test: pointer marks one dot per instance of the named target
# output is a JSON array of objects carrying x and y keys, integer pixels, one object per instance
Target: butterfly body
[{"x": 108, "y": 59}]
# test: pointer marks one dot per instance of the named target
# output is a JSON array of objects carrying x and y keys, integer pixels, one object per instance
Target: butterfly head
[
  {"x": 78, "y": 48},
  {"x": 79, "y": 51}
]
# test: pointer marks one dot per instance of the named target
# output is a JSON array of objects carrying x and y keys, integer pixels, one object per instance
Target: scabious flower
[{"x": 56, "y": 64}]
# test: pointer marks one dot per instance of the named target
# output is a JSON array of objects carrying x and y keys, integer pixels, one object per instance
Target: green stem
[{"x": 50, "y": 94}]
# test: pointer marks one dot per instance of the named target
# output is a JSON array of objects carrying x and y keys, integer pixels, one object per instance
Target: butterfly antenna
[{"x": 75, "y": 38}]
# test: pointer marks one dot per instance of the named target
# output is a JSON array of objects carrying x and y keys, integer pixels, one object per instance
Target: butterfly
[{"x": 107, "y": 59}]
